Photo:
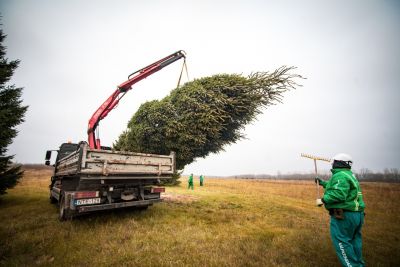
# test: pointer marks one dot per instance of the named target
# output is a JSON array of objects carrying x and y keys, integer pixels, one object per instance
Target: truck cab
[{"x": 64, "y": 150}]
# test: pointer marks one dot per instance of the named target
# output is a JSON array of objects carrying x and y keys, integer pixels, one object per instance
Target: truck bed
[{"x": 107, "y": 164}]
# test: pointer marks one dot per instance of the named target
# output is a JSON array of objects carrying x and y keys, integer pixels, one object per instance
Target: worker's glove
[
  {"x": 318, "y": 180},
  {"x": 319, "y": 202}
]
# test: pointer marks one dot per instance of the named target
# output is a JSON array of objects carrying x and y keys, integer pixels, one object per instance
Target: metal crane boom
[{"x": 121, "y": 90}]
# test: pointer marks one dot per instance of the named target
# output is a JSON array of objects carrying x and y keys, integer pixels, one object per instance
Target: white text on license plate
[{"x": 87, "y": 201}]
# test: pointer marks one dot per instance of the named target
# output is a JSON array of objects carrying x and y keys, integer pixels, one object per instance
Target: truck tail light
[
  {"x": 157, "y": 189},
  {"x": 86, "y": 194}
]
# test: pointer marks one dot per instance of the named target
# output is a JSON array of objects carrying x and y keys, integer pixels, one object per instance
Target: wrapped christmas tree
[{"x": 204, "y": 115}]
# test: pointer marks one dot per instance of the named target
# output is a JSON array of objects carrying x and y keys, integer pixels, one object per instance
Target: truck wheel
[
  {"x": 142, "y": 207},
  {"x": 64, "y": 213},
  {"x": 52, "y": 199}
]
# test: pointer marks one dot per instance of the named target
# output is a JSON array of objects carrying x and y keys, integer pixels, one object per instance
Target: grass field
[{"x": 227, "y": 222}]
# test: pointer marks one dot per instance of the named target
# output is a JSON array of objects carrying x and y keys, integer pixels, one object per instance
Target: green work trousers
[{"x": 346, "y": 238}]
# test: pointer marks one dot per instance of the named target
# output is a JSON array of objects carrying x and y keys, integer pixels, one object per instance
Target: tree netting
[{"x": 205, "y": 115}]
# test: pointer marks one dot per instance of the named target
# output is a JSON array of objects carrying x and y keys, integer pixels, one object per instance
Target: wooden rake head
[{"x": 315, "y": 157}]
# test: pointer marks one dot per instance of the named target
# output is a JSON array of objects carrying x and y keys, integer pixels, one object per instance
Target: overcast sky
[{"x": 74, "y": 53}]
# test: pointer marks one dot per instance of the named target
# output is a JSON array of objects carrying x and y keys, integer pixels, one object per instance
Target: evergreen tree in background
[{"x": 11, "y": 115}]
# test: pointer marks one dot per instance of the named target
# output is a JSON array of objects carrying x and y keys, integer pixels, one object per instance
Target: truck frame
[{"x": 88, "y": 179}]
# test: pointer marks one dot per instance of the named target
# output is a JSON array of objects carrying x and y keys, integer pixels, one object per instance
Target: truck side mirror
[{"x": 48, "y": 155}]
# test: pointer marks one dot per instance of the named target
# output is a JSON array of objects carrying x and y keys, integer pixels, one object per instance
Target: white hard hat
[{"x": 342, "y": 157}]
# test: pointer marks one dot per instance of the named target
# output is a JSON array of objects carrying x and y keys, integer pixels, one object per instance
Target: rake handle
[{"x": 316, "y": 174}]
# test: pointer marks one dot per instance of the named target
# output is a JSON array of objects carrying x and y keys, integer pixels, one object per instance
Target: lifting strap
[{"x": 184, "y": 66}]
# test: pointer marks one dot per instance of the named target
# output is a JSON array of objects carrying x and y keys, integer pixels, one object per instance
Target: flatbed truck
[
  {"x": 90, "y": 177},
  {"x": 86, "y": 180}
]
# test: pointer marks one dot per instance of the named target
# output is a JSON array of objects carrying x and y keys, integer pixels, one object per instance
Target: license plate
[
  {"x": 157, "y": 189},
  {"x": 87, "y": 201}
]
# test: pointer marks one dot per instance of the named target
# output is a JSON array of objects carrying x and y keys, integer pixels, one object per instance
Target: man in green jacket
[
  {"x": 190, "y": 181},
  {"x": 344, "y": 201}
]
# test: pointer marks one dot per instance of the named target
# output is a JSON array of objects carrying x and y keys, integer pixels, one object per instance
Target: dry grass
[{"x": 225, "y": 223}]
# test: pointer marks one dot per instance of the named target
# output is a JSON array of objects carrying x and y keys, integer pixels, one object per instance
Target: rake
[{"x": 315, "y": 158}]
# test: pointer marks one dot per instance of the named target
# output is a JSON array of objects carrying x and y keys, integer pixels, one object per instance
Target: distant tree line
[
  {"x": 388, "y": 175},
  {"x": 36, "y": 167},
  {"x": 391, "y": 175}
]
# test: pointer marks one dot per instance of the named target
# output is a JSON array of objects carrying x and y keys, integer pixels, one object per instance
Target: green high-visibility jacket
[{"x": 343, "y": 191}]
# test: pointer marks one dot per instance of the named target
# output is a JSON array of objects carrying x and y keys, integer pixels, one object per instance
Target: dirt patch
[{"x": 168, "y": 197}]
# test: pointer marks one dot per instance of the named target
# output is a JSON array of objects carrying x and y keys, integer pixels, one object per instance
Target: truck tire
[
  {"x": 52, "y": 199},
  {"x": 142, "y": 207},
  {"x": 64, "y": 213}
]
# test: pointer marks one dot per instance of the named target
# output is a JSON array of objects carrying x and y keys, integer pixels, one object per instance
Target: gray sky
[{"x": 74, "y": 53}]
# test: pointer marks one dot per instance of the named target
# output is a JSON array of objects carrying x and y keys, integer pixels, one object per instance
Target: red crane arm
[{"x": 121, "y": 90}]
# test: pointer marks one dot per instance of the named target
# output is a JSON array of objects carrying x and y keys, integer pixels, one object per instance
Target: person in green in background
[
  {"x": 190, "y": 181},
  {"x": 201, "y": 180},
  {"x": 344, "y": 201}
]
